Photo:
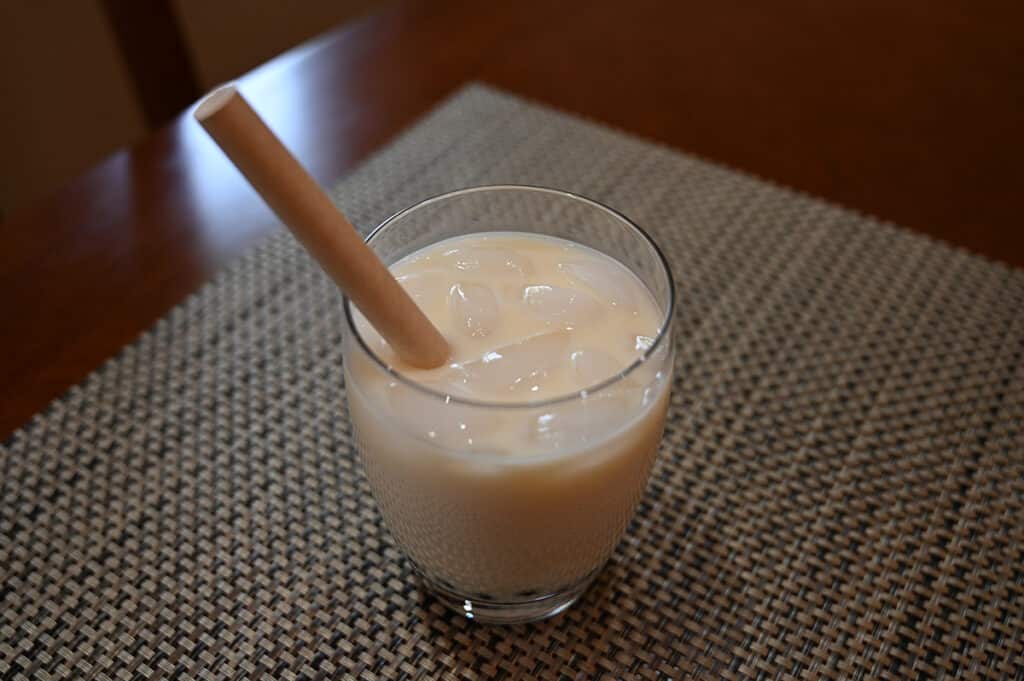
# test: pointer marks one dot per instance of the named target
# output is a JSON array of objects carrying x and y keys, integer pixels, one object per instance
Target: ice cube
[
  {"x": 590, "y": 367},
  {"x": 581, "y": 421},
  {"x": 474, "y": 309},
  {"x": 516, "y": 369},
  {"x": 559, "y": 306},
  {"x": 642, "y": 343},
  {"x": 510, "y": 294},
  {"x": 484, "y": 259},
  {"x": 424, "y": 286},
  {"x": 609, "y": 280}
]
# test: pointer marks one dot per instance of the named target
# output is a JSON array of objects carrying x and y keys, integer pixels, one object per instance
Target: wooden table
[{"x": 911, "y": 111}]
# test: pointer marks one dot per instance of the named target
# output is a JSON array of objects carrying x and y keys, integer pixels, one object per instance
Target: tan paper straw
[{"x": 328, "y": 236}]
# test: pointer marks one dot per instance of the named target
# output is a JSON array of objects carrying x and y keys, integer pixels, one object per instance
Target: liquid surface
[{"x": 528, "y": 317}]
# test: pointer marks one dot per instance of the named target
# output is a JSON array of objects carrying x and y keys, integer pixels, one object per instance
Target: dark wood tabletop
[{"x": 911, "y": 111}]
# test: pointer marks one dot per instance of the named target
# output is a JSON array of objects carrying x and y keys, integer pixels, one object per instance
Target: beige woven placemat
[{"x": 840, "y": 493}]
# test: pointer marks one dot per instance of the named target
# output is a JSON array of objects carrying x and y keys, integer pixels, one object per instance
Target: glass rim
[{"x": 659, "y": 339}]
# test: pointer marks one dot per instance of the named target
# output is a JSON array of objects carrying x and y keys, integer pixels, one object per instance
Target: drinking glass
[{"x": 499, "y": 535}]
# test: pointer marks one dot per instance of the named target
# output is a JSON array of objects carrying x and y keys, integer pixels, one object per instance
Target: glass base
[{"x": 507, "y": 612}]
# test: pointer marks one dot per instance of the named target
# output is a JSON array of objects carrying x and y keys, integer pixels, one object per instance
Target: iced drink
[{"x": 510, "y": 473}]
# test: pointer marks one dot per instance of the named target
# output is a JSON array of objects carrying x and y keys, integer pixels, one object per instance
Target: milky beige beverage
[{"x": 512, "y": 471}]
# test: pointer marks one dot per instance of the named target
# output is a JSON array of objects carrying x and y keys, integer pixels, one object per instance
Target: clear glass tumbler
[{"x": 497, "y": 535}]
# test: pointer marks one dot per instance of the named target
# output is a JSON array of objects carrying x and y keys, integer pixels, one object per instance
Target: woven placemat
[{"x": 840, "y": 493}]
